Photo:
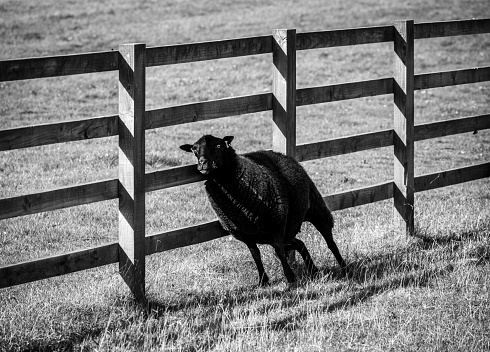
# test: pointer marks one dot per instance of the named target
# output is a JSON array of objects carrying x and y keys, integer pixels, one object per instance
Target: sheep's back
[
  {"x": 284, "y": 168},
  {"x": 250, "y": 200},
  {"x": 294, "y": 180}
]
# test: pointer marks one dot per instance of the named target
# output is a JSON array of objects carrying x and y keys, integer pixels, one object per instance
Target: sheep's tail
[{"x": 318, "y": 213}]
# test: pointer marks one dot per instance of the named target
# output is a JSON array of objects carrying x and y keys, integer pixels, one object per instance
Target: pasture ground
[{"x": 429, "y": 292}]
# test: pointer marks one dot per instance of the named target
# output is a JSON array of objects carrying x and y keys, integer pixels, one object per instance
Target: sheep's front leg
[
  {"x": 263, "y": 278},
  {"x": 281, "y": 254}
]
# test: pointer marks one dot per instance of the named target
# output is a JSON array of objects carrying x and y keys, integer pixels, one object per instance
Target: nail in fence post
[
  {"x": 284, "y": 94},
  {"x": 403, "y": 125},
  {"x": 132, "y": 63}
]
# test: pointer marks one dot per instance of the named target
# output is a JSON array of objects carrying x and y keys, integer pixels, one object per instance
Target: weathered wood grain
[
  {"x": 360, "y": 196},
  {"x": 451, "y": 78},
  {"x": 403, "y": 126},
  {"x": 33, "y": 270},
  {"x": 58, "y": 198},
  {"x": 211, "y": 50},
  {"x": 344, "y": 91},
  {"x": 172, "y": 177},
  {"x": 61, "y": 132},
  {"x": 184, "y": 237},
  {"x": 343, "y": 37},
  {"x": 284, "y": 91},
  {"x": 451, "y": 127},
  {"x": 452, "y": 177},
  {"x": 344, "y": 145},
  {"x": 61, "y": 65},
  {"x": 213, "y": 109},
  {"x": 132, "y": 80},
  {"x": 284, "y": 96},
  {"x": 451, "y": 28}
]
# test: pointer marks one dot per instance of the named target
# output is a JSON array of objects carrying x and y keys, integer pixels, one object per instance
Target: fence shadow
[{"x": 368, "y": 277}]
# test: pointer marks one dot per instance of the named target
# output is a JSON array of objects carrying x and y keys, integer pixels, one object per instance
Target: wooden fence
[{"x": 132, "y": 120}]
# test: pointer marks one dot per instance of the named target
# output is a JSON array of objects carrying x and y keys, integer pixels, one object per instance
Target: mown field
[{"x": 429, "y": 292}]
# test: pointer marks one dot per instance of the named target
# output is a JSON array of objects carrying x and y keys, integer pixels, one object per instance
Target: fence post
[
  {"x": 284, "y": 91},
  {"x": 284, "y": 95},
  {"x": 131, "y": 125},
  {"x": 403, "y": 126}
]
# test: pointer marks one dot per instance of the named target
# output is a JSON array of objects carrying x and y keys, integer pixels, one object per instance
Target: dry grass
[{"x": 428, "y": 292}]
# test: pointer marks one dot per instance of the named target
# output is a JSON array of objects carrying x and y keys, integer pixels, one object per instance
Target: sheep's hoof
[
  {"x": 291, "y": 279},
  {"x": 264, "y": 281}
]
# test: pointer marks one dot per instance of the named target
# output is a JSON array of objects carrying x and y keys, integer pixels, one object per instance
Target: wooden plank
[
  {"x": 403, "y": 127},
  {"x": 451, "y": 78},
  {"x": 185, "y": 236},
  {"x": 33, "y": 270},
  {"x": 211, "y": 50},
  {"x": 451, "y": 28},
  {"x": 106, "y": 126},
  {"x": 181, "y": 175},
  {"x": 284, "y": 91},
  {"x": 58, "y": 199},
  {"x": 60, "y": 132},
  {"x": 172, "y": 177},
  {"x": 344, "y": 145},
  {"x": 132, "y": 167},
  {"x": 343, "y": 37},
  {"x": 452, "y": 126},
  {"x": 213, "y": 109},
  {"x": 452, "y": 177},
  {"x": 284, "y": 96},
  {"x": 344, "y": 91},
  {"x": 54, "y": 66},
  {"x": 360, "y": 196}
]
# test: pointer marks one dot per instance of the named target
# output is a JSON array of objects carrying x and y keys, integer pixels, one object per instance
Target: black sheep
[{"x": 263, "y": 197}]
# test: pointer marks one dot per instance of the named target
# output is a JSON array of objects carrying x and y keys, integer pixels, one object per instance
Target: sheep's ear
[
  {"x": 228, "y": 140},
  {"x": 187, "y": 148}
]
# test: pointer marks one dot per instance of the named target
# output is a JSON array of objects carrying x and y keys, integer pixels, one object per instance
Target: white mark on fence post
[
  {"x": 132, "y": 63},
  {"x": 284, "y": 95},
  {"x": 403, "y": 126}
]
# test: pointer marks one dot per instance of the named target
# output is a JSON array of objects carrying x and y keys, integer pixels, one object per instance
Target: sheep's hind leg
[
  {"x": 298, "y": 245},
  {"x": 281, "y": 254},
  {"x": 326, "y": 232},
  {"x": 263, "y": 278}
]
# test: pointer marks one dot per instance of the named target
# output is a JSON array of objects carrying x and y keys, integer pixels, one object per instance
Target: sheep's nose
[{"x": 202, "y": 161}]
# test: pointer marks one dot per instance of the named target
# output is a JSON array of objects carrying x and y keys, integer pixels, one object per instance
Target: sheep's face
[{"x": 210, "y": 152}]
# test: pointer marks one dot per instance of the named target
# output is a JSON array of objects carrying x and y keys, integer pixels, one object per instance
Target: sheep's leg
[
  {"x": 321, "y": 217},
  {"x": 281, "y": 254},
  {"x": 301, "y": 248},
  {"x": 326, "y": 232},
  {"x": 263, "y": 278}
]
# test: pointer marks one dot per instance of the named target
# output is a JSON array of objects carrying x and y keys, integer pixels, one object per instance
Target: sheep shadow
[{"x": 368, "y": 277}]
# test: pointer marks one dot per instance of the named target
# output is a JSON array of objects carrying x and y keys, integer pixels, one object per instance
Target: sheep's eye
[{"x": 218, "y": 146}]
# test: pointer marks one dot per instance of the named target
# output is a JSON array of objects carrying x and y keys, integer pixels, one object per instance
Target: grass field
[{"x": 429, "y": 292}]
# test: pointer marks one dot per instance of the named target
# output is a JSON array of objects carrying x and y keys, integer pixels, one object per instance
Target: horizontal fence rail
[
  {"x": 451, "y": 28},
  {"x": 182, "y": 175},
  {"x": 107, "y": 126},
  {"x": 213, "y": 50},
  {"x": 56, "y": 66},
  {"x": 63, "y": 65},
  {"x": 57, "y": 265}
]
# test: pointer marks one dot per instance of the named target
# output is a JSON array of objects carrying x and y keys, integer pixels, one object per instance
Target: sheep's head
[{"x": 210, "y": 152}]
